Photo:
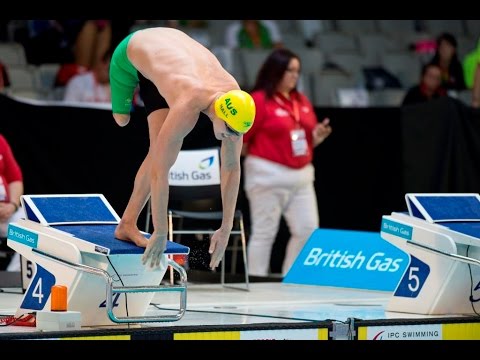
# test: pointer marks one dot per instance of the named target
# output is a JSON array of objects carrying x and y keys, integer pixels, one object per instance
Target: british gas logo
[
  {"x": 378, "y": 261},
  {"x": 22, "y": 236},
  {"x": 195, "y": 175},
  {"x": 206, "y": 163}
]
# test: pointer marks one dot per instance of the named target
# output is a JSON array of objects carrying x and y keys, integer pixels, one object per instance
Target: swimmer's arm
[
  {"x": 230, "y": 179},
  {"x": 178, "y": 124},
  {"x": 229, "y": 183}
]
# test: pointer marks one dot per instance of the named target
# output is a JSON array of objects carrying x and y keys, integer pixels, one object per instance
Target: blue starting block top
[
  {"x": 467, "y": 228},
  {"x": 444, "y": 207},
  {"x": 458, "y": 212},
  {"x": 87, "y": 217},
  {"x": 103, "y": 235},
  {"x": 69, "y": 209}
]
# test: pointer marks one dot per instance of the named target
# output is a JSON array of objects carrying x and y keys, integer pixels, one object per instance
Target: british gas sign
[
  {"x": 22, "y": 236},
  {"x": 379, "y": 261},
  {"x": 195, "y": 168},
  {"x": 351, "y": 259}
]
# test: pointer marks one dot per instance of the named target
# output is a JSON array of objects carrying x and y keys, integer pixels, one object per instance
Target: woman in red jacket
[
  {"x": 279, "y": 175},
  {"x": 11, "y": 188}
]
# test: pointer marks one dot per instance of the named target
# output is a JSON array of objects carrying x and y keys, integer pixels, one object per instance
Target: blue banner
[{"x": 349, "y": 259}]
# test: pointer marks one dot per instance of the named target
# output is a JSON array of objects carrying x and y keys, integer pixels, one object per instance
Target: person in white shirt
[{"x": 92, "y": 86}]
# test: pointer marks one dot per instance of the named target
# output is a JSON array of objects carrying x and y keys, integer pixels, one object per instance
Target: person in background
[
  {"x": 470, "y": 66},
  {"x": 76, "y": 44},
  {"x": 278, "y": 150},
  {"x": 91, "y": 86},
  {"x": 476, "y": 88},
  {"x": 81, "y": 42},
  {"x": 11, "y": 189},
  {"x": 446, "y": 58},
  {"x": 253, "y": 34},
  {"x": 430, "y": 86}
]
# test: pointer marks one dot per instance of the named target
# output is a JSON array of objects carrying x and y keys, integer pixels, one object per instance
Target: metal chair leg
[
  {"x": 233, "y": 265},
  {"x": 244, "y": 251},
  {"x": 245, "y": 261}
]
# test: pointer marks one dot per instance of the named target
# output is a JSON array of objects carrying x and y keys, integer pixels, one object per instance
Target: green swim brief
[{"x": 123, "y": 79}]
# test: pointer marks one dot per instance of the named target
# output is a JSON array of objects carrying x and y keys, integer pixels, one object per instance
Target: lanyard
[{"x": 294, "y": 112}]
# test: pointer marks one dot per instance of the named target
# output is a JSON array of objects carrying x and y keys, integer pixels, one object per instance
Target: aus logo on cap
[{"x": 230, "y": 107}]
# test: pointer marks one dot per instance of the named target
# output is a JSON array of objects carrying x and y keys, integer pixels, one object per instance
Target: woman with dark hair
[
  {"x": 278, "y": 149},
  {"x": 446, "y": 58}
]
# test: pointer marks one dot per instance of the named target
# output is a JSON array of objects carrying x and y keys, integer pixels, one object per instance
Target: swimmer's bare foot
[{"x": 130, "y": 233}]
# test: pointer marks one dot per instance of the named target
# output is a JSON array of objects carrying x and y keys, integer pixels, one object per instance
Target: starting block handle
[
  {"x": 136, "y": 289},
  {"x": 463, "y": 259},
  {"x": 182, "y": 288}
]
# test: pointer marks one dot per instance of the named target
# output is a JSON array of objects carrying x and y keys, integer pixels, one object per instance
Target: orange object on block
[{"x": 59, "y": 298}]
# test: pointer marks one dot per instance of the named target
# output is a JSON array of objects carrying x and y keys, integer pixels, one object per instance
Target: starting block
[
  {"x": 70, "y": 241},
  {"x": 441, "y": 235}
]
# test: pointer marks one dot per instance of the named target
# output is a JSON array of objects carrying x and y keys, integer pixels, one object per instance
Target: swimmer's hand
[
  {"x": 218, "y": 244},
  {"x": 154, "y": 251}
]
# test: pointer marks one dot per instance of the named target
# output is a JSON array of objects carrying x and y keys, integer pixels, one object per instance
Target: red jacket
[{"x": 270, "y": 137}]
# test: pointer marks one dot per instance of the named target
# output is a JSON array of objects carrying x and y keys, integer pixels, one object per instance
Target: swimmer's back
[
  {"x": 171, "y": 51},
  {"x": 174, "y": 62}
]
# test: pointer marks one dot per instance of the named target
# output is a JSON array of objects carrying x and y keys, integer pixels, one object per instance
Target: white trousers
[{"x": 274, "y": 191}]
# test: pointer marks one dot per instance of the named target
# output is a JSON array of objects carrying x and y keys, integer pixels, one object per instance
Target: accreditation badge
[{"x": 299, "y": 142}]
